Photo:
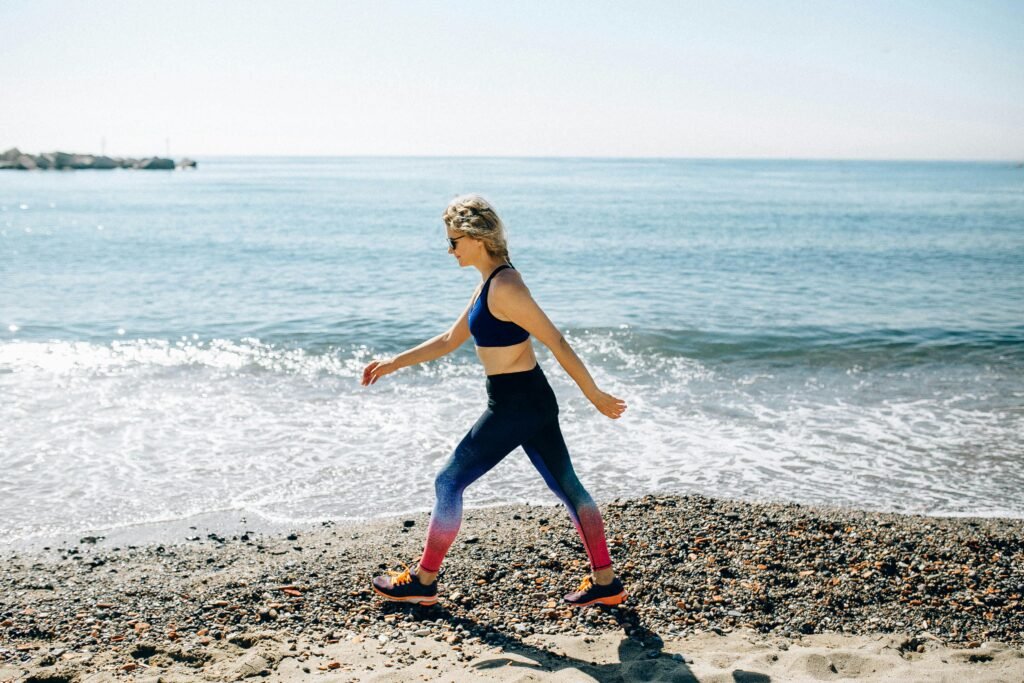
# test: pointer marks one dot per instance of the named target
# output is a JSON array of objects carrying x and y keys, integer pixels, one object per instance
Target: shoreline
[
  {"x": 825, "y": 591},
  {"x": 235, "y": 522}
]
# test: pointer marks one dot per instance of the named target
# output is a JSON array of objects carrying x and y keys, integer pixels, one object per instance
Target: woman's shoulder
[
  {"x": 507, "y": 286},
  {"x": 508, "y": 278}
]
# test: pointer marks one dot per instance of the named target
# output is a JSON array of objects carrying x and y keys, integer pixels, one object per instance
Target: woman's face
[{"x": 465, "y": 247}]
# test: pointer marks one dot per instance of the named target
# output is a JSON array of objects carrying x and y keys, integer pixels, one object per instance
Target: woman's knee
[
  {"x": 446, "y": 482},
  {"x": 578, "y": 497}
]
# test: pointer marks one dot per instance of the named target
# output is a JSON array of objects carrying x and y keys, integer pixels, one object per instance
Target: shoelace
[
  {"x": 585, "y": 584},
  {"x": 400, "y": 578}
]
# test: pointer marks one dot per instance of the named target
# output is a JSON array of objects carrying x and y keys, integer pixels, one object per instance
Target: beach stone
[{"x": 253, "y": 664}]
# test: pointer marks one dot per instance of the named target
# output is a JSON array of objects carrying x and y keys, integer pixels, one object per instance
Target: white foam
[
  {"x": 103, "y": 435},
  {"x": 76, "y": 357}
]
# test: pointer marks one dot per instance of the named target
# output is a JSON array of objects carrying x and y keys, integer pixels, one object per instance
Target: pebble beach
[{"x": 718, "y": 590}]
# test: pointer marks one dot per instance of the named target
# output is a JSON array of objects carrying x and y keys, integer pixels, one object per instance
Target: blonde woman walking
[{"x": 521, "y": 408}]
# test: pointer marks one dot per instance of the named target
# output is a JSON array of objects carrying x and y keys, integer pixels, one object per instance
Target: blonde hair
[{"x": 473, "y": 215}]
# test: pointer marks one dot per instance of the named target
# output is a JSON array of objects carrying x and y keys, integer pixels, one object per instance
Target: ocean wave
[
  {"x": 624, "y": 349},
  {"x": 247, "y": 354},
  {"x": 825, "y": 346},
  {"x": 191, "y": 426}
]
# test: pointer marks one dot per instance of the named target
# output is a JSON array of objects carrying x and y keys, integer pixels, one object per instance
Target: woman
[{"x": 521, "y": 410}]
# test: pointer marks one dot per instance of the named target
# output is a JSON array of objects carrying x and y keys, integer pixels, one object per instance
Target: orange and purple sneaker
[
  {"x": 405, "y": 586},
  {"x": 592, "y": 593}
]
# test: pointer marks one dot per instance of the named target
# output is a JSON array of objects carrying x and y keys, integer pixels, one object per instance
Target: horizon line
[
  {"x": 1010, "y": 160},
  {"x": 597, "y": 157}
]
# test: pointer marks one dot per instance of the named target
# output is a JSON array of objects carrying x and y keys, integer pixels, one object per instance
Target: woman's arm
[
  {"x": 510, "y": 297},
  {"x": 438, "y": 346}
]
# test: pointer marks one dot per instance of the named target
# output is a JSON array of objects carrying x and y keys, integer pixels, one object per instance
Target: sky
[{"x": 711, "y": 79}]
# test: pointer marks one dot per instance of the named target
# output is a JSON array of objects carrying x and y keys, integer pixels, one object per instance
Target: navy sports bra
[{"x": 488, "y": 330}]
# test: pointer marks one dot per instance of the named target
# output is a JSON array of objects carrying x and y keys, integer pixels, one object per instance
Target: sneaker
[
  {"x": 405, "y": 586},
  {"x": 590, "y": 593}
]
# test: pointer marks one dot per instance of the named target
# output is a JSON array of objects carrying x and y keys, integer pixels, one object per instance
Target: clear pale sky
[{"x": 855, "y": 80}]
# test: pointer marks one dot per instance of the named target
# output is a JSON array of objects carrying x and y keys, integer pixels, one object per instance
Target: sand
[
  {"x": 708, "y": 657},
  {"x": 720, "y": 591}
]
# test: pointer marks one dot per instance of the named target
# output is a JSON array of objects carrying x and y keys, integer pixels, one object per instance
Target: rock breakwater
[{"x": 16, "y": 160}]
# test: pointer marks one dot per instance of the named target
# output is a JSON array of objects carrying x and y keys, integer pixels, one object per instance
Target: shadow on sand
[{"x": 640, "y": 650}]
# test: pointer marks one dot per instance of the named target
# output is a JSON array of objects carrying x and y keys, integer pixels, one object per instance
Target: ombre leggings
[{"x": 521, "y": 411}]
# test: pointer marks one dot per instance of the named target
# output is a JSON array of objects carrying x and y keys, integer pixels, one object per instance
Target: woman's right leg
[
  {"x": 548, "y": 452},
  {"x": 495, "y": 435},
  {"x": 550, "y": 456}
]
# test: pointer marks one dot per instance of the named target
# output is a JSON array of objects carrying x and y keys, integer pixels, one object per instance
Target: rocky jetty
[{"x": 16, "y": 160}]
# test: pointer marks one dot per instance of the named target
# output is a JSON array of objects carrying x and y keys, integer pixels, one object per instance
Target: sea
[{"x": 175, "y": 344}]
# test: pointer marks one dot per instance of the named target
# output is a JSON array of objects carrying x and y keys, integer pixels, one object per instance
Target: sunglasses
[{"x": 451, "y": 242}]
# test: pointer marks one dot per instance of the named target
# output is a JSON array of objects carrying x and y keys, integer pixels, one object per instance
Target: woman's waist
[{"x": 506, "y": 360}]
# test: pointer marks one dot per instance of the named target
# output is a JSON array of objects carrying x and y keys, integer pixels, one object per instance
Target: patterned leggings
[{"x": 521, "y": 411}]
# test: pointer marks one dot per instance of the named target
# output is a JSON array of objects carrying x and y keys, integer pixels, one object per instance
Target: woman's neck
[{"x": 488, "y": 266}]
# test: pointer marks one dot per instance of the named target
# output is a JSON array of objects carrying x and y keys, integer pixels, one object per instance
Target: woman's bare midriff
[{"x": 499, "y": 360}]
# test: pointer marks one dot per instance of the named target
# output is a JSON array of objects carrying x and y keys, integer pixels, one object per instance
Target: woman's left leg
[
  {"x": 548, "y": 453},
  {"x": 495, "y": 435}
]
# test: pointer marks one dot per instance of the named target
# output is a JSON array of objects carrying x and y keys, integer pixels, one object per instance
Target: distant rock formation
[
  {"x": 16, "y": 160},
  {"x": 157, "y": 164}
]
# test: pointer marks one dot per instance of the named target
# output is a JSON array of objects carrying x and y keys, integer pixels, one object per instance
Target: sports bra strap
[
  {"x": 487, "y": 284},
  {"x": 499, "y": 268}
]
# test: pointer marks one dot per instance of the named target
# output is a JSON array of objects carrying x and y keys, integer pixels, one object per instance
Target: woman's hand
[
  {"x": 606, "y": 403},
  {"x": 377, "y": 369}
]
